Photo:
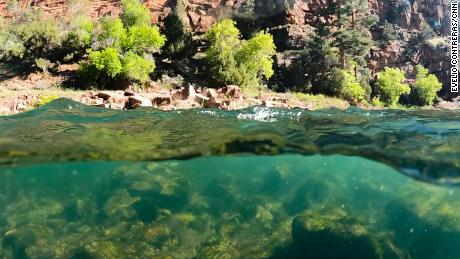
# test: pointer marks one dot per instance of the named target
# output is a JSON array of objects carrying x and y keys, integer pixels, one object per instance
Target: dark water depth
[{"x": 85, "y": 182}]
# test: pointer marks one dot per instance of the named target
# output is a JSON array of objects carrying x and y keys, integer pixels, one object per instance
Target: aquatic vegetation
[{"x": 92, "y": 209}]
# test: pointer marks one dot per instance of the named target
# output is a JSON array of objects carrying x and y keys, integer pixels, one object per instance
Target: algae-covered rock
[
  {"x": 120, "y": 205},
  {"x": 333, "y": 234},
  {"x": 218, "y": 250},
  {"x": 100, "y": 250}
]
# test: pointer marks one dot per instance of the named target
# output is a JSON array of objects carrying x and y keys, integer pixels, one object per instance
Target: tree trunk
[{"x": 341, "y": 50}]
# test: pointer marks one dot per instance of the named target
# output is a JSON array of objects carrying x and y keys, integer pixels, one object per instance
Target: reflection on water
[{"x": 286, "y": 206}]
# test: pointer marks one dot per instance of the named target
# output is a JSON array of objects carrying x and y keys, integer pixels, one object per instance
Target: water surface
[{"x": 85, "y": 182}]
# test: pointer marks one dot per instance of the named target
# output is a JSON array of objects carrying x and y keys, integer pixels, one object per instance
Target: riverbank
[{"x": 20, "y": 94}]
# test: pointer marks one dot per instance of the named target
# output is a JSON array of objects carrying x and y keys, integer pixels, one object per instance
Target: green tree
[
  {"x": 426, "y": 86},
  {"x": 391, "y": 85},
  {"x": 123, "y": 48},
  {"x": 135, "y": 13},
  {"x": 389, "y": 33},
  {"x": 78, "y": 37},
  {"x": 311, "y": 70},
  {"x": 347, "y": 85},
  {"x": 137, "y": 67},
  {"x": 145, "y": 38},
  {"x": 179, "y": 41},
  {"x": 106, "y": 61},
  {"x": 111, "y": 33},
  {"x": 29, "y": 36},
  {"x": 353, "y": 38},
  {"x": 255, "y": 58},
  {"x": 237, "y": 61}
]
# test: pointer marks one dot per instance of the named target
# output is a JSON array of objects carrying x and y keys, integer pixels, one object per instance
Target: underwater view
[{"x": 84, "y": 182}]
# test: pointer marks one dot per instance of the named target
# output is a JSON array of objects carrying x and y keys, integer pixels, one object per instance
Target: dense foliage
[
  {"x": 236, "y": 61},
  {"x": 36, "y": 36},
  {"x": 349, "y": 88},
  {"x": 391, "y": 85},
  {"x": 33, "y": 38},
  {"x": 426, "y": 86},
  {"x": 179, "y": 41},
  {"x": 123, "y": 48}
]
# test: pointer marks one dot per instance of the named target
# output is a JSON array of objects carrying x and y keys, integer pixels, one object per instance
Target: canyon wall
[{"x": 292, "y": 21}]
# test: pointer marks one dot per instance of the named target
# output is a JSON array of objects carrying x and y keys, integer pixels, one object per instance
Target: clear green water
[{"x": 84, "y": 182}]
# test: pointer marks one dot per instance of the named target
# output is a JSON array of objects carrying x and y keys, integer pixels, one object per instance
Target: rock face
[
  {"x": 292, "y": 21},
  {"x": 203, "y": 13},
  {"x": 58, "y": 7}
]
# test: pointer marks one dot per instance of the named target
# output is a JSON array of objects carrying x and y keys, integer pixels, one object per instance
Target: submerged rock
[
  {"x": 333, "y": 234},
  {"x": 220, "y": 250},
  {"x": 119, "y": 205},
  {"x": 104, "y": 249}
]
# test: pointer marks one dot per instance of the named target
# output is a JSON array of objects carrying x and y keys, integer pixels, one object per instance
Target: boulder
[
  {"x": 138, "y": 101},
  {"x": 129, "y": 92},
  {"x": 191, "y": 92},
  {"x": 159, "y": 99},
  {"x": 68, "y": 67},
  {"x": 232, "y": 91},
  {"x": 112, "y": 97},
  {"x": 214, "y": 98},
  {"x": 201, "y": 98},
  {"x": 331, "y": 233},
  {"x": 179, "y": 94}
]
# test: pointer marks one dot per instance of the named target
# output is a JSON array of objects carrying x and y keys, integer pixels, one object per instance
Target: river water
[{"x": 85, "y": 182}]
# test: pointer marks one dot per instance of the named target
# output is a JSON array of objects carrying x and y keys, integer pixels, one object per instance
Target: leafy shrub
[
  {"x": 11, "y": 46},
  {"x": 376, "y": 102},
  {"x": 135, "y": 14},
  {"x": 106, "y": 61},
  {"x": 348, "y": 87},
  {"x": 28, "y": 37},
  {"x": 111, "y": 34},
  {"x": 137, "y": 67},
  {"x": 78, "y": 37},
  {"x": 426, "y": 86},
  {"x": 391, "y": 85},
  {"x": 122, "y": 48},
  {"x": 143, "y": 39},
  {"x": 40, "y": 35},
  {"x": 43, "y": 64},
  {"x": 237, "y": 61}
]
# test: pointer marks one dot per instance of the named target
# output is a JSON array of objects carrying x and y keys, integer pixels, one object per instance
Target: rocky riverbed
[{"x": 239, "y": 207}]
